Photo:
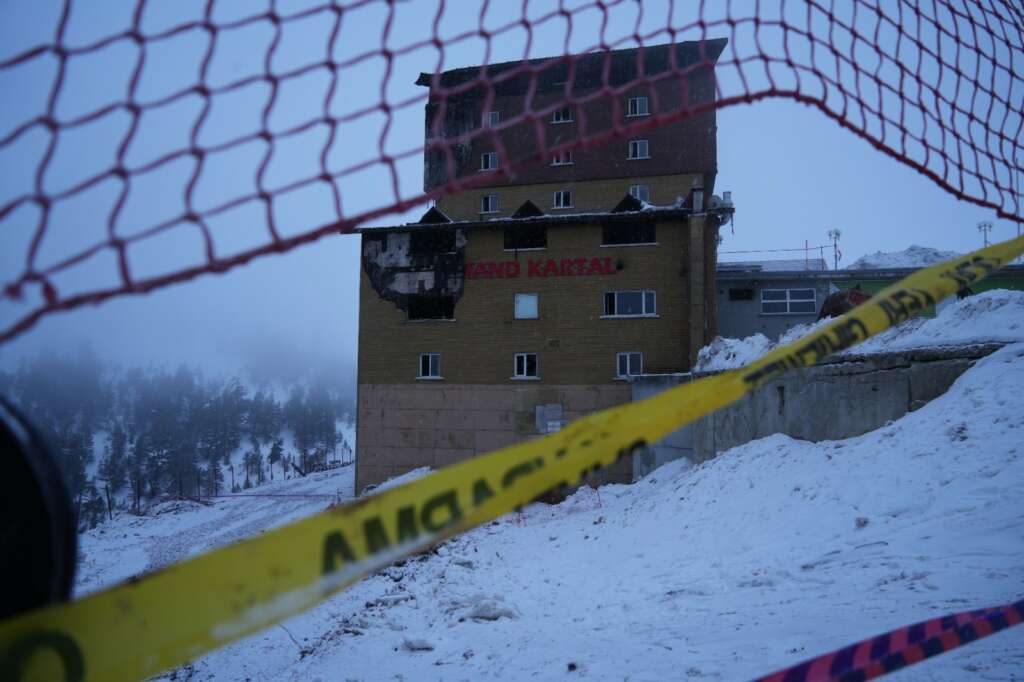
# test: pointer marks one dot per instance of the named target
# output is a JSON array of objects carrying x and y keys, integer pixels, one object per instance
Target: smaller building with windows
[
  {"x": 478, "y": 334},
  {"x": 769, "y": 297}
]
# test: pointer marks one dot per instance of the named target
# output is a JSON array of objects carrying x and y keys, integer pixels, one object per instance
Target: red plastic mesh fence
[{"x": 936, "y": 84}]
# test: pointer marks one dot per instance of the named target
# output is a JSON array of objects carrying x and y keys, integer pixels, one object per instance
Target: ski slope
[{"x": 774, "y": 551}]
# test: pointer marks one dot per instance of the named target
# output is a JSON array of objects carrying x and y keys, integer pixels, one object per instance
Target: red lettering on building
[{"x": 566, "y": 267}]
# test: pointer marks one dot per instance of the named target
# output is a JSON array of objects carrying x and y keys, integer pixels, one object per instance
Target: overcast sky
[{"x": 793, "y": 172}]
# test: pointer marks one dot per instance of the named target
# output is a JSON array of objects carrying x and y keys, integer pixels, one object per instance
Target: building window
[
  {"x": 563, "y": 199},
  {"x": 491, "y": 119},
  {"x": 563, "y": 158},
  {"x": 638, "y": 149},
  {"x": 788, "y": 301},
  {"x": 630, "y": 304},
  {"x": 525, "y": 237},
  {"x": 525, "y": 366},
  {"x": 430, "y": 366},
  {"x": 640, "y": 192},
  {"x": 526, "y": 307},
  {"x": 422, "y": 307},
  {"x": 629, "y": 364},
  {"x": 489, "y": 203},
  {"x": 563, "y": 115},
  {"x": 637, "y": 106},
  {"x": 619, "y": 233},
  {"x": 488, "y": 161},
  {"x": 741, "y": 294},
  {"x": 428, "y": 242}
]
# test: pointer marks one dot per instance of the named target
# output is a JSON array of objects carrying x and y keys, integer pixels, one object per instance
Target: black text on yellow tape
[{"x": 141, "y": 627}]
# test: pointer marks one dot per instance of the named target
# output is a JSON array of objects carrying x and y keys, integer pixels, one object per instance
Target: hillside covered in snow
[
  {"x": 911, "y": 257},
  {"x": 770, "y": 553}
]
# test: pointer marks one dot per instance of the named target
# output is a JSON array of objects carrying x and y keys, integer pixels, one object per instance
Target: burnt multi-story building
[
  {"x": 475, "y": 124},
  {"x": 479, "y": 329}
]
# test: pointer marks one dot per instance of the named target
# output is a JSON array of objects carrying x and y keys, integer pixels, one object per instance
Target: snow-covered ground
[
  {"x": 176, "y": 529},
  {"x": 991, "y": 316},
  {"x": 770, "y": 553},
  {"x": 911, "y": 257}
]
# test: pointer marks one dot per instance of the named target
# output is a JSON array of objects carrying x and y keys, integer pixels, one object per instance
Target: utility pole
[
  {"x": 985, "y": 226},
  {"x": 834, "y": 235}
]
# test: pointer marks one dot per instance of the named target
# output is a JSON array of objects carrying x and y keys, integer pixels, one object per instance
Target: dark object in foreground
[{"x": 37, "y": 524}]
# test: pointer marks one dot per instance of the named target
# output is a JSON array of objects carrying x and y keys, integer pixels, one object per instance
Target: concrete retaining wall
[{"x": 837, "y": 399}]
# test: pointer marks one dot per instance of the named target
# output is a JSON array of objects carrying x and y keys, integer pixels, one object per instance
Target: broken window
[
  {"x": 426, "y": 242},
  {"x": 526, "y": 237},
  {"x": 431, "y": 307},
  {"x": 628, "y": 233}
]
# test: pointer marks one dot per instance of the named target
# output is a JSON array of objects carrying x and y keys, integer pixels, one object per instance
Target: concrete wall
[
  {"x": 830, "y": 401},
  {"x": 402, "y": 427},
  {"x": 739, "y": 319}
]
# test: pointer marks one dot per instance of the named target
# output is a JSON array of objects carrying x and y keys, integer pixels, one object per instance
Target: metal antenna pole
[
  {"x": 985, "y": 227},
  {"x": 834, "y": 235}
]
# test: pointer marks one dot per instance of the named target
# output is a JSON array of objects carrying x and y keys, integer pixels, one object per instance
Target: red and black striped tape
[{"x": 902, "y": 647}]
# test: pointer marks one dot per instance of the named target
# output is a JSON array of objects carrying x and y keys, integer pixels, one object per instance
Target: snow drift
[{"x": 912, "y": 257}]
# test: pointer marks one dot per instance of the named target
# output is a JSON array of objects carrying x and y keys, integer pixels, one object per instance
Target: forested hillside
[{"x": 126, "y": 437}]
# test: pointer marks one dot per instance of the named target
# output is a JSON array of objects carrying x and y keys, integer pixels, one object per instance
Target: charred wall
[{"x": 418, "y": 268}]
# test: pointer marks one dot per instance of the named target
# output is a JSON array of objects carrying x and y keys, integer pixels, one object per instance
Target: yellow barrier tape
[{"x": 143, "y": 626}]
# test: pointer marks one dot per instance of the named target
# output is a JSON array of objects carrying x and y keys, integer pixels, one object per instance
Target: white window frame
[
  {"x": 641, "y": 106},
  {"x": 635, "y": 146},
  {"x": 629, "y": 356},
  {"x": 789, "y": 300},
  {"x": 560, "y": 116},
  {"x": 653, "y": 312},
  {"x": 491, "y": 200},
  {"x": 430, "y": 367},
  {"x": 491, "y": 119},
  {"x": 558, "y": 199},
  {"x": 524, "y": 376},
  {"x": 489, "y": 161},
  {"x": 635, "y": 191},
  {"x": 563, "y": 158},
  {"x": 515, "y": 306}
]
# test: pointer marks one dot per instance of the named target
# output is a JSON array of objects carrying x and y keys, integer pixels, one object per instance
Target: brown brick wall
[
  {"x": 588, "y": 195},
  {"x": 573, "y": 343}
]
